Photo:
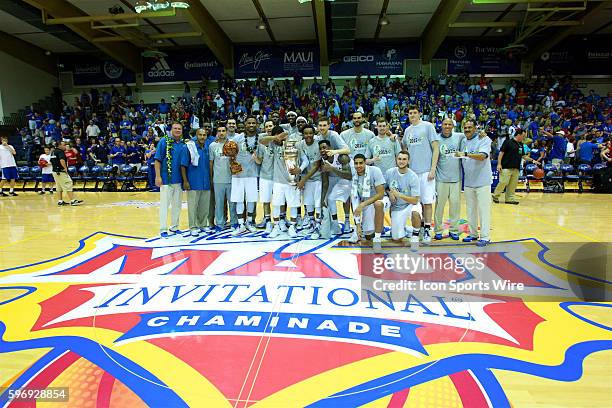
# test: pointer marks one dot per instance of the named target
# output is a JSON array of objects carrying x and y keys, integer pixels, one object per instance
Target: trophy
[
  {"x": 290, "y": 153},
  {"x": 230, "y": 149}
]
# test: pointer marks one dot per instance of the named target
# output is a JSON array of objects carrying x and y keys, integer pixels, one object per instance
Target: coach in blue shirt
[
  {"x": 197, "y": 162},
  {"x": 169, "y": 177}
]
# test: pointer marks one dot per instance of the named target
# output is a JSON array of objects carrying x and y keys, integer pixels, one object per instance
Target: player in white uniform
[
  {"x": 265, "y": 158},
  {"x": 403, "y": 188},
  {"x": 310, "y": 183},
  {"x": 336, "y": 185},
  {"x": 421, "y": 141},
  {"x": 244, "y": 184},
  {"x": 367, "y": 192}
]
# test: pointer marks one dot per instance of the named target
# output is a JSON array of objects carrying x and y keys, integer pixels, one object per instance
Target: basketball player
[
  {"x": 231, "y": 128},
  {"x": 284, "y": 192},
  {"x": 403, "y": 187},
  {"x": 335, "y": 181},
  {"x": 170, "y": 180},
  {"x": 367, "y": 192},
  {"x": 265, "y": 158},
  {"x": 310, "y": 182},
  {"x": 244, "y": 184},
  {"x": 448, "y": 180},
  {"x": 357, "y": 137},
  {"x": 290, "y": 127},
  {"x": 221, "y": 176},
  {"x": 477, "y": 183},
  {"x": 382, "y": 150},
  {"x": 421, "y": 141},
  {"x": 338, "y": 145}
]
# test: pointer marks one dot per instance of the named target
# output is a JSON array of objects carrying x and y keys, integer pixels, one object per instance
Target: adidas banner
[
  {"x": 368, "y": 60},
  {"x": 92, "y": 71},
  {"x": 179, "y": 67},
  {"x": 252, "y": 61}
]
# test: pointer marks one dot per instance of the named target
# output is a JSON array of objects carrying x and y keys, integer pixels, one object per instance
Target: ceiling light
[
  {"x": 160, "y": 41},
  {"x": 47, "y": 53},
  {"x": 261, "y": 25},
  {"x": 160, "y": 4},
  {"x": 179, "y": 4},
  {"x": 499, "y": 30},
  {"x": 384, "y": 21},
  {"x": 142, "y": 6}
]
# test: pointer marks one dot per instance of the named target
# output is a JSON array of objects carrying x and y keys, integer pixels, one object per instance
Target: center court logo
[
  {"x": 131, "y": 295},
  {"x": 161, "y": 68}
]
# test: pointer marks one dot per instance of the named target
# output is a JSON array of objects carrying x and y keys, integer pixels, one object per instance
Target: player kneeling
[
  {"x": 367, "y": 192},
  {"x": 403, "y": 191}
]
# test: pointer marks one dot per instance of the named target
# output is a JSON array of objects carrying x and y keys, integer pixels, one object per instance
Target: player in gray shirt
[
  {"x": 244, "y": 184},
  {"x": 421, "y": 141},
  {"x": 403, "y": 191},
  {"x": 477, "y": 183},
  {"x": 382, "y": 149},
  {"x": 448, "y": 180},
  {"x": 338, "y": 146},
  {"x": 310, "y": 182},
  {"x": 222, "y": 179},
  {"x": 265, "y": 158},
  {"x": 357, "y": 137}
]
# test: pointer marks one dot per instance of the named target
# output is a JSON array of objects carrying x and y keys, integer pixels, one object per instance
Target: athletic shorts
[
  {"x": 285, "y": 193},
  {"x": 265, "y": 190},
  {"x": 312, "y": 193},
  {"x": 340, "y": 191},
  {"x": 10, "y": 173},
  {"x": 399, "y": 218},
  {"x": 428, "y": 189},
  {"x": 244, "y": 188},
  {"x": 47, "y": 178}
]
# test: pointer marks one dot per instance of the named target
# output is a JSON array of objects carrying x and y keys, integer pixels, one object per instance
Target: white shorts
[
  {"x": 244, "y": 187},
  {"x": 312, "y": 193},
  {"x": 400, "y": 217},
  {"x": 265, "y": 190},
  {"x": 428, "y": 189},
  {"x": 284, "y": 193},
  {"x": 367, "y": 220},
  {"x": 341, "y": 191}
]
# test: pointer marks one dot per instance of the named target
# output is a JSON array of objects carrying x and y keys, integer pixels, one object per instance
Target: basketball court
[{"x": 91, "y": 299}]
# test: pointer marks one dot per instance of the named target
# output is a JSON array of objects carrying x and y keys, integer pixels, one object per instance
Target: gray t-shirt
[
  {"x": 376, "y": 179},
  {"x": 314, "y": 155},
  {"x": 334, "y": 139},
  {"x": 477, "y": 172},
  {"x": 357, "y": 142},
  {"x": 407, "y": 184},
  {"x": 266, "y": 154},
  {"x": 249, "y": 167},
  {"x": 449, "y": 166},
  {"x": 221, "y": 166},
  {"x": 417, "y": 139},
  {"x": 386, "y": 149},
  {"x": 281, "y": 175}
]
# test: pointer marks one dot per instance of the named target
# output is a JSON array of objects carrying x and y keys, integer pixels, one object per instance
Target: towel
[
  {"x": 193, "y": 152},
  {"x": 365, "y": 185}
]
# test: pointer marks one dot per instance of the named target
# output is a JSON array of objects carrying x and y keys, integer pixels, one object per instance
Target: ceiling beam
[
  {"x": 554, "y": 38},
  {"x": 116, "y": 38},
  {"x": 318, "y": 14},
  {"x": 112, "y": 17},
  {"x": 438, "y": 27},
  {"x": 502, "y": 24},
  {"x": 212, "y": 34},
  {"x": 28, "y": 53},
  {"x": 263, "y": 18},
  {"x": 383, "y": 12},
  {"x": 499, "y": 18},
  {"x": 126, "y": 54}
]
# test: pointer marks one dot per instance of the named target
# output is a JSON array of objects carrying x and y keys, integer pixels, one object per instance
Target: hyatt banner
[
  {"x": 179, "y": 67},
  {"x": 577, "y": 56},
  {"x": 383, "y": 60},
  {"x": 252, "y": 61}
]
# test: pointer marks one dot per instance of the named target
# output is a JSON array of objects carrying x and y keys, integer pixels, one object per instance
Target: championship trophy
[
  {"x": 230, "y": 149},
  {"x": 290, "y": 153}
]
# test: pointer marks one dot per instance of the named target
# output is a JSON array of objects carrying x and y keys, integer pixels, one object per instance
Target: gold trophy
[{"x": 290, "y": 153}]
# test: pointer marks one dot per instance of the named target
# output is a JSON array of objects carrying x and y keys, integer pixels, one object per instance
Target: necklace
[{"x": 251, "y": 149}]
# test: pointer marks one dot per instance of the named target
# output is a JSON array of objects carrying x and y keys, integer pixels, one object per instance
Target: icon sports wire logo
[{"x": 161, "y": 68}]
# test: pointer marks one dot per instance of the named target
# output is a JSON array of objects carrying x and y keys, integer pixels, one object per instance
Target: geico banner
[
  {"x": 478, "y": 58},
  {"x": 252, "y": 61},
  {"x": 180, "y": 67},
  {"x": 92, "y": 71},
  {"x": 383, "y": 60}
]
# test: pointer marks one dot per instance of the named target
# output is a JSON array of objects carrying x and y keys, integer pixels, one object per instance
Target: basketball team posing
[{"x": 293, "y": 165}]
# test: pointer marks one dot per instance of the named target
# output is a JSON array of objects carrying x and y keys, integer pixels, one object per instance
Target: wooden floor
[{"x": 36, "y": 230}]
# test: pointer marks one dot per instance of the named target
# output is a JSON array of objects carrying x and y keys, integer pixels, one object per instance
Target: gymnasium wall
[{"x": 22, "y": 84}]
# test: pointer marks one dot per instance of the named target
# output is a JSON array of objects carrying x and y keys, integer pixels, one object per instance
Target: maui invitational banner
[{"x": 252, "y": 61}]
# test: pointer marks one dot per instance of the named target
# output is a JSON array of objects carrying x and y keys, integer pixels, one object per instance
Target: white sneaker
[
  {"x": 346, "y": 227},
  {"x": 377, "y": 245},
  {"x": 414, "y": 242},
  {"x": 292, "y": 232},
  {"x": 276, "y": 231},
  {"x": 238, "y": 230},
  {"x": 283, "y": 225},
  {"x": 354, "y": 237},
  {"x": 268, "y": 227},
  {"x": 300, "y": 222},
  {"x": 427, "y": 236},
  {"x": 250, "y": 227},
  {"x": 315, "y": 234},
  {"x": 195, "y": 233},
  {"x": 335, "y": 228}
]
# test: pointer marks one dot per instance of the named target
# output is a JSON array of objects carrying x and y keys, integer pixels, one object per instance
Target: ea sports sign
[{"x": 217, "y": 320}]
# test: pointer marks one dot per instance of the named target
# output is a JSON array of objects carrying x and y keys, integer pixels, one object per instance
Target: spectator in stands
[
  {"x": 92, "y": 129},
  {"x": 559, "y": 147},
  {"x": 117, "y": 153},
  {"x": 164, "y": 109},
  {"x": 587, "y": 150}
]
